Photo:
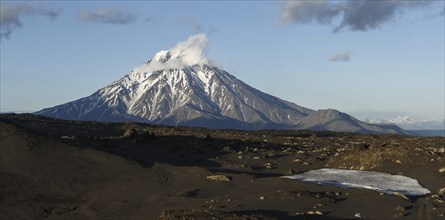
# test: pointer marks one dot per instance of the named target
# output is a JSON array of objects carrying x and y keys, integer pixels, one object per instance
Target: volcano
[{"x": 181, "y": 86}]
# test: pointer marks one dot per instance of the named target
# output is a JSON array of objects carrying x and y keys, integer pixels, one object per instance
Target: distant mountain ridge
[
  {"x": 415, "y": 126},
  {"x": 410, "y": 123},
  {"x": 182, "y": 87},
  {"x": 334, "y": 120}
]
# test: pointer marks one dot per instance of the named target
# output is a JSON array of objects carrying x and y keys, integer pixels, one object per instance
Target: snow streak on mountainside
[{"x": 181, "y": 86}]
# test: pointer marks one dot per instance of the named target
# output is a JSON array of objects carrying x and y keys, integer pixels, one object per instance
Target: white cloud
[
  {"x": 307, "y": 11},
  {"x": 192, "y": 51},
  {"x": 186, "y": 53},
  {"x": 108, "y": 15},
  {"x": 11, "y": 16},
  {"x": 355, "y": 15},
  {"x": 342, "y": 56}
]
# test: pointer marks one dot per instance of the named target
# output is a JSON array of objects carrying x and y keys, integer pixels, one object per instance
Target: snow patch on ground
[{"x": 381, "y": 182}]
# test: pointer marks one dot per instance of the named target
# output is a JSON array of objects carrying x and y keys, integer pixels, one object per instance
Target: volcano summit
[{"x": 181, "y": 86}]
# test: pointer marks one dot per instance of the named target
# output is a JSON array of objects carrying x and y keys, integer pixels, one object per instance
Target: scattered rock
[
  {"x": 71, "y": 137},
  {"x": 261, "y": 197},
  {"x": 218, "y": 178},
  {"x": 442, "y": 170},
  {"x": 441, "y": 191},
  {"x": 318, "y": 213},
  {"x": 434, "y": 196},
  {"x": 400, "y": 208},
  {"x": 401, "y": 195},
  {"x": 314, "y": 213},
  {"x": 287, "y": 150},
  {"x": 358, "y": 215},
  {"x": 129, "y": 133},
  {"x": 398, "y": 215},
  {"x": 246, "y": 150},
  {"x": 438, "y": 198},
  {"x": 432, "y": 151},
  {"x": 226, "y": 149},
  {"x": 322, "y": 157},
  {"x": 270, "y": 154}
]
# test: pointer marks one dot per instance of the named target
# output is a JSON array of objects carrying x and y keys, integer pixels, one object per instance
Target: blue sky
[{"x": 387, "y": 59}]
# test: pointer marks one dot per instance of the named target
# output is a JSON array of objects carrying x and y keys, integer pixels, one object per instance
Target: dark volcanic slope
[
  {"x": 60, "y": 169},
  {"x": 43, "y": 177}
]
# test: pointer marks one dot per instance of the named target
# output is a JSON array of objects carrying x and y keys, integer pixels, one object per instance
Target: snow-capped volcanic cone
[{"x": 181, "y": 86}]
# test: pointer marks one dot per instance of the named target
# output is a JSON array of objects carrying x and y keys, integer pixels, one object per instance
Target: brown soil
[{"x": 88, "y": 170}]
